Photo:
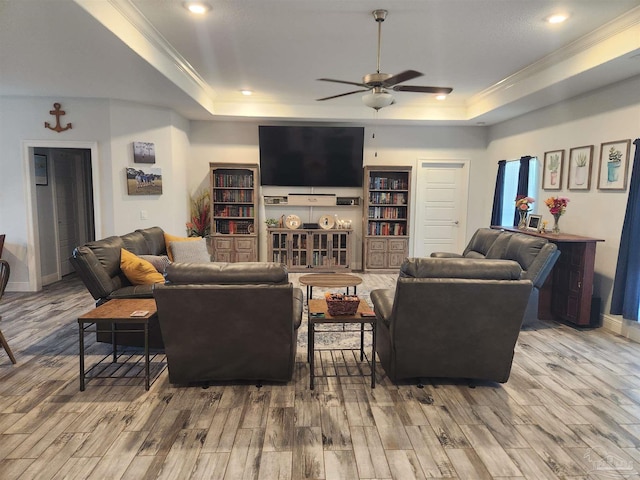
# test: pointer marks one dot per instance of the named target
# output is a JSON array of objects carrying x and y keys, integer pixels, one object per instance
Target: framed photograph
[
  {"x": 41, "y": 171},
  {"x": 534, "y": 222},
  {"x": 614, "y": 165},
  {"x": 144, "y": 181},
  {"x": 144, "y": 152},
  {"x": 580, "y": 161},
  {"x": 552, "y": 170}
]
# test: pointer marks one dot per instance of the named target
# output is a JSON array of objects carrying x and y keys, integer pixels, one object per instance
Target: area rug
[{"x": 336, "y": 336}]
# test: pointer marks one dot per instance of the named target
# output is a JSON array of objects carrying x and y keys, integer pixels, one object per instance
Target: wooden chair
[
  {"x": 4, "y": 279},
  {"x": 1, "y": 243}
]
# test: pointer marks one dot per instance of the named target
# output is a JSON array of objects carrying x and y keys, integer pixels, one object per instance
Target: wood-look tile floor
[{"x": 571, "y": 409}]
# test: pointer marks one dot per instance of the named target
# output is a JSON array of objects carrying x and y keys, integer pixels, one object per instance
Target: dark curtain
[
  {"x": 498, "y": 195},
  {"x": 626, "y": 286},
  {"x": 523, "y": 185}
]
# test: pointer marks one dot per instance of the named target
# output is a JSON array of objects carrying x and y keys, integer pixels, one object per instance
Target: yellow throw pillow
[
  {"x": 173, "y": 238},
  {"x": 137, "y": 270}
]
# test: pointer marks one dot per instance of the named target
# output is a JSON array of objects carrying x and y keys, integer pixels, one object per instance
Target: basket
[{"x": 338, "y": 304}]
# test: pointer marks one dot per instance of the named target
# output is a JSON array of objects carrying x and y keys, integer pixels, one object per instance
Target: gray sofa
[
  {"x": 535, "y": 255},
  {"x": 236, "y": 321},
  {"x": 453, "y": 318},
  {"x": 98, "y": 263}
]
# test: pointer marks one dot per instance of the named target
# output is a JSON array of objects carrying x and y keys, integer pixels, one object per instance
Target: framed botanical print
[
  {"x": 614, "y": 165},
  {"x": 580, "y": 162},
  {"x": 552, "y": 170}
]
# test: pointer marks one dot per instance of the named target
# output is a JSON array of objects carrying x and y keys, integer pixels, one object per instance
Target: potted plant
[
  {"x": 581, "y": 168},
  {"x": 200, "y": 224},
  {"x": 554, "y": 164},
  {"x": 615, "y": 160},
  {"x": 271, "y": 222}
]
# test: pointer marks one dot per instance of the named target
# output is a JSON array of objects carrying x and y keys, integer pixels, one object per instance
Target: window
[{"x": 512, "y": 169}]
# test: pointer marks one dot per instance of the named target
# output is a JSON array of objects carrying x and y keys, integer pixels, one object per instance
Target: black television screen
[{"x": 311, "y": 156}]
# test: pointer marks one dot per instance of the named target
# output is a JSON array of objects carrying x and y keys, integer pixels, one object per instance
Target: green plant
[
  {"x": 200, "y": 224},
  {"x": 615, "y": 155},
  {"x": 554, "y": 163},
  {"x": 581, "y": 160},
  {"x": 271, "y": 222}
]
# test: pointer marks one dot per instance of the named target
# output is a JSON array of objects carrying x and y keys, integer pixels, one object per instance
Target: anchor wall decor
[{"x": 57, "y": 112}]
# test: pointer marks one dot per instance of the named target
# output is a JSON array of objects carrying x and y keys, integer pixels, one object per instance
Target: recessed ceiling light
[
  {"x": 198, "y": 8},
  {"x": 441, "y": 97},
  {"x": 557, "y": 18},
  {"x": 246, "y": 92}
]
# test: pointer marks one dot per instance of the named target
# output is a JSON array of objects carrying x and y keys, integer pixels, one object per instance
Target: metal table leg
[
  {"x": 81, "y": 350},
  {"x": 311, "y": 355},
  {"x": 373, "y": 355},
  {"x": 146, "y": 355}
]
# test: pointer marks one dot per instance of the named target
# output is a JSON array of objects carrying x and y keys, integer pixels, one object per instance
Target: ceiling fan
[{"x": 378, "y": 83}]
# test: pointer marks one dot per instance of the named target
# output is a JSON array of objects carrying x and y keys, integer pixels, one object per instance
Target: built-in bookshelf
[
  {"x": 234, "y": 197},
  {"x": 386, "y": 220}
]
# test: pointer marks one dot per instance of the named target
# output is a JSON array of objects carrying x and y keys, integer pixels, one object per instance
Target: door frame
[
  {"x": 448, "y": 162},
  {"x": 33, "y": 242}
]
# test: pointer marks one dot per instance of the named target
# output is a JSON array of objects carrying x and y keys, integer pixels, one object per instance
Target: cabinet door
[
  {"x": 340, "y": 249},
  {"x": 245, "y": 249},
  {"x": 320, "y": 250},
  {"x": 299, "y": 245},
  {"x": 376, "y": 252}
]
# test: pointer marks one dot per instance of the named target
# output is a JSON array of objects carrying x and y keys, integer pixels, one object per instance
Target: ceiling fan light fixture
[{"x": 377, "y": 100}]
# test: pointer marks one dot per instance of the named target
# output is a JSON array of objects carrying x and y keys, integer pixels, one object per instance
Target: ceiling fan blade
[
  {"x": 401, "y": 77},
  {"x": 412, "y": 88},
  {"x": 343, "y": 81},
  {"x": 341, "y": 95}
]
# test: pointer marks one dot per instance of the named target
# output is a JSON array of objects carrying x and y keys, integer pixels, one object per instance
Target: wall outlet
[{"x": 144, "y": 215}]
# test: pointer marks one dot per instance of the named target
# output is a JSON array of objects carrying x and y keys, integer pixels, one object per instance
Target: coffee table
[
  {"x": 329, "y": 280},
  {"x": 320, "y": 307},
  {"x": 116, "y": 315}
]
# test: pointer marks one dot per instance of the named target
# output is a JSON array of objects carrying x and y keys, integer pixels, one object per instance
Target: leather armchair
[
  {"x": 221, "y": 322},
  {"x": 536, "y": 256},
  {"x": 454, "y": 318}
]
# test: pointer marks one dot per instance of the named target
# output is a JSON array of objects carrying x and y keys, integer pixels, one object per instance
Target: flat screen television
[{"x": 297, "y": 156}]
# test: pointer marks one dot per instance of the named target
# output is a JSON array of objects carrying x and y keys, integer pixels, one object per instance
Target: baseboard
[
  {"x": 625, "y": 328},
  {"x": 18, "y": 287}
]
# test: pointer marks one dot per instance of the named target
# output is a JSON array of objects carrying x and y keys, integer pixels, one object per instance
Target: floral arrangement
[
  {"x": 556, "y": 205},
  {"x": 200, "y": 224},
  {"x": 523, "y": 203}
]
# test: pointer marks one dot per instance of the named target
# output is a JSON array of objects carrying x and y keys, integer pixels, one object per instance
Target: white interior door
[{"x": 441, "y": 206}]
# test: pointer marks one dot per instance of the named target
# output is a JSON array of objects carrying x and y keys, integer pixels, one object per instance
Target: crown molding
[
  {"x": 610, "y": 30},
  {"x": 126, "y": 22}
]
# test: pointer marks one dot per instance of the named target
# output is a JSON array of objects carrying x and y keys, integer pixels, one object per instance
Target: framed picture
[
  {"x": 614, "y": 165},
  {"x": 144, "y": 181},
  {"x": 144, "y": 152},
  {"x": 534, "y": 222},
  {"x": 552, "y": 170},
  {"x": 41, "y": 171},
  {"x": 580, "y": 161}
]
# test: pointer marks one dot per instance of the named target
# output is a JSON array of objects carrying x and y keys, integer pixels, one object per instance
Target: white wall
[
  {"x": 113, "y": 126},
  {"x": 237, "y": 142},
  {"x": 602, "y": 116}
]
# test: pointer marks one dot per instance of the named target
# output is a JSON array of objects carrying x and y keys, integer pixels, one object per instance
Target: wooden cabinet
[
  {"x": 386, "y": 217},
  {"x": 301, "y": 250},
  {"x": 567, "y": 293},
  {"x": 234, "y": 210}
]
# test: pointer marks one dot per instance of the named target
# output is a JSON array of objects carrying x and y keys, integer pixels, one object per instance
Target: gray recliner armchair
[
  {"x": 453, "y": 318},
  {"x": 222, "y": 322},
  {"x": 535, "y": 255}
]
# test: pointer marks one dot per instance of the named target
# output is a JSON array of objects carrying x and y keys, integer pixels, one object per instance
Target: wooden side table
[
  {"x": 329, "y": 280},
  {"x": 116, "y": 314},
  {"x": 319, "y": 314}
]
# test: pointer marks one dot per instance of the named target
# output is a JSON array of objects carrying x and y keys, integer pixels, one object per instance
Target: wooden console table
[{"x": 567, "y": 293}]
